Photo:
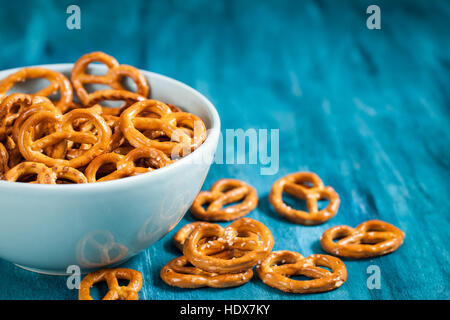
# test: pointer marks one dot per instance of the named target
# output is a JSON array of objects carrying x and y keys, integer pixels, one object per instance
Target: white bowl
[{"x": 46, "y": 228}]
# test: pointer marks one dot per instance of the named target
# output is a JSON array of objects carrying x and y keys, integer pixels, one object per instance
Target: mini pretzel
[
  {"x": 112, "y": 78},
  {"x": 180, "y": 273},
  {"x": 296, "y": 184},
  {"x": 31, "y": 149},
  {"x": 223, "y": 192},
  {"x": 128, "y": 97},
  {"x": 173, "y": 124},
  {"x": 370, "y": 239},
  {"x": 4, "y": 158},
  {"x": 179, "y": 239},
  {"x": 13, "y": 106},
  {"x": 125, "y": 165},
  {"x": 111, "y": 276},
  {"x": 58, "y": 82},
  {"x": 229, "y": 238},
  {"x": 279, "y": 265},
  {"x": 217, "y": 249},
  {"x": 37, "y": 104},
  {"x": 45, "y": 175}
]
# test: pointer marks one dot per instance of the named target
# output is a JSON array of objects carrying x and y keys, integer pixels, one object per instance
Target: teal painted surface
[{"x": 366, "y": 110}]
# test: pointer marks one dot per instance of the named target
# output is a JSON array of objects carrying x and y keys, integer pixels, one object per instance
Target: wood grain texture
[{"x": 367, "y": 110}]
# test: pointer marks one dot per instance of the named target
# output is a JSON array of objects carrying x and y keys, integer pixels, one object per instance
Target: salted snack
[
  {"x": 276, "y": 269},
  {"x": 113, "y": 77},
  {"x": 111, "y": 276},
  {"x": 306, "y": 186},
  {"x": 4, "y": 158},
  {"x": 59, "y": 140},
  {"x": 125, "y": 165},
  {"x": 58, "y": 84},
  {"x": 179, "y": 239},
  {"x": 223, "y": 192},
  {"x": 32, "y": 148},
  {"x": 44, "y": 174},
  {"x": 249, "y": 249},
  {"x": 370, "y": 239},
  {"x": 178, "y": 272},
  {"x": 185, "y": 130}
]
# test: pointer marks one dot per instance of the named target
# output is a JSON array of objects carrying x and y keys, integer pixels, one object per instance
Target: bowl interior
[{"x": 162, "y": 88}]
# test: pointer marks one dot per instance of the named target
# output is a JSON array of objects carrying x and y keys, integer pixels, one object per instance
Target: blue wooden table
[{"x": 367, "y": 110}]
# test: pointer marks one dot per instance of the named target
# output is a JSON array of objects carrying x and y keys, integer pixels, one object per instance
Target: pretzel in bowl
[
  {"x": 13, "y": 106},
  {"x": 4, "y": 158},
  {"x": 233, "y": 237},
  {"x": 58, "y": 83},
  {"x": 31, "y": 148},
  {"x": 111, "y": 276},
  {"x": 44, "y": 174},
  {"x": 173, "y": 124},
  {"x": 370, "y": 239},
  {"x": 127, "y": 97},
  {"x": 276, "y": 269},
  {"x": 307, "y": 186},
  {"x": 36, "y": 104},
  {"x": 178, "y": 272},
  {"x": 125, "y": 166},
  {"x": 223, "y": 192},
  {"x": 113, "y": 77}
]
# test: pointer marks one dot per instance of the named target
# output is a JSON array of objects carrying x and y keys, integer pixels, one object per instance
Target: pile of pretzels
[
  {"x": 50, "y": 138},
  {"x": 217, "y": 257},
  {"x": 223, "y": 257}
]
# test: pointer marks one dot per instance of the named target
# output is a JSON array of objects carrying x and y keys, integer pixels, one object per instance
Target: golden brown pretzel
[
  {"x": 235, "y": 236},
  {"x": 180, "y": 273},
  {"x": 172, "y": 124},
  {"x": 180, "y": 237},
  {"x": 31, "y": 149},
  {"x": 369, "y": 239},
  {"x": 111, "y": 276},
  {"x": 37, "y": 104},
  {"x": 44, "y": 174},
  {"x": 279, "y": 265},
  {"x": 223, "y": 192},
  {"x": 112, "y": 78},
  {"x": 58, "y": 82},
  {"x": 13, "y": 106},
  {"x": 4, "y": 158},
  {"x": 127, "y": 97},
  {"x": 125, "y": 165},
  {"x": 309, "y": 187}
]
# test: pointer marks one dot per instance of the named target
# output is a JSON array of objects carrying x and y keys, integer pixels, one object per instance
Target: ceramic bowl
[{"x": 47, "y": 228}]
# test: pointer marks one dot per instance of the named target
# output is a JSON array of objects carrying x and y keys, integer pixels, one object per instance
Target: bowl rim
[{"x": 213, "y": 135}]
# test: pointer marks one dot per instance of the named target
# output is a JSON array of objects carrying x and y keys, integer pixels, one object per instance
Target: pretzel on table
[
  {"x": 369, "y": 239},
  {"x": 276, "y": 269},
  {"x": 223, "y": 192},
  {"x": 111, "y": 276},
  {"x": 307, "y": 186},
  {"x": 178, "y": 272},
  {"x": 235, "y": 236}
]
